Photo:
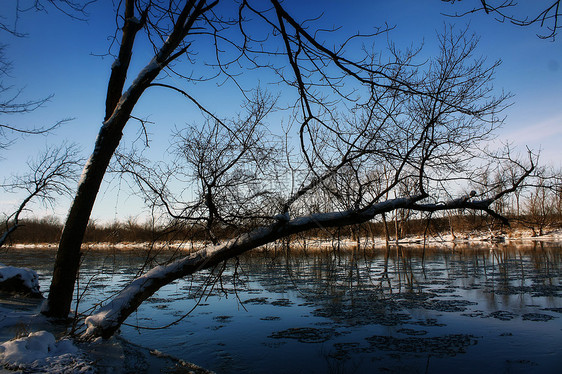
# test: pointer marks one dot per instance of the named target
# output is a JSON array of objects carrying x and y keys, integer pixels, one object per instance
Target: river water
[{"x": 480, "y": 308}]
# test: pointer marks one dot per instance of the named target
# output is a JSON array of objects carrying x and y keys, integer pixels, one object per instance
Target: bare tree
[
  {"x": 541, "y": 201},
  {"x": 222, "y": 167},
  {"x": 52, "y": 173},
  {"x": 415, "y": 144},
  {"x": 423, "y": 121}
]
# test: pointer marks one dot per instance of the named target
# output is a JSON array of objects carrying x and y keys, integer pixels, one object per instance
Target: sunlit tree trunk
[{"x": 118, "y": 110}]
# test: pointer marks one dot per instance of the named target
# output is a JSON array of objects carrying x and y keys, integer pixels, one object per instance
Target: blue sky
[{"x": 58, "y": 57}]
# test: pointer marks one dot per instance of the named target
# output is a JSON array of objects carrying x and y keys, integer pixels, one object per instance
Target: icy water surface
[{"x": 484, "y": 308}]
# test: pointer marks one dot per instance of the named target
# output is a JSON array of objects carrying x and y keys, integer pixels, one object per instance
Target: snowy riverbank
[
  {"x": 479, "y": 236},
  {"x": 29, "y": 343}
]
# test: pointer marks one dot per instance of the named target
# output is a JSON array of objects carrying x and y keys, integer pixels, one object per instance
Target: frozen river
[{"x": 485, "y": 308}]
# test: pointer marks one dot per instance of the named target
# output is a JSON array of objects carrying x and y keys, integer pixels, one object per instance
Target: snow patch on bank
[
  {"x": 28, "y": 276},
  {"x": 24, "y": 276},
  {"x": 40, "y": 352},
  {"x": 28, "y": 345}
]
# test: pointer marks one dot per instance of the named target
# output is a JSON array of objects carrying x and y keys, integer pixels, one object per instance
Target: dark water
[{"x": 465, "y": 309}]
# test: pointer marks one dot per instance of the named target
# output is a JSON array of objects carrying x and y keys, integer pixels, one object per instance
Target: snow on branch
[{"x": 109, "y": 317}]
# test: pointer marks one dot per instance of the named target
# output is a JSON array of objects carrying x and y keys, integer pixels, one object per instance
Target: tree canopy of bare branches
[{"x": 366, "y": 132}]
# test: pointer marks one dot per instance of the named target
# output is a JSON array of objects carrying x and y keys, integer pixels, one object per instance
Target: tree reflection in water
[{"x": 492, "y": 307}]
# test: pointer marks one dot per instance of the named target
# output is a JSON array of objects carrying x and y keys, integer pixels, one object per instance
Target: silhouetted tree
[
  {"x": 352, "y": 112},
  {"x": 51, "y": 173},
  {"x": 410, "y": 142}
]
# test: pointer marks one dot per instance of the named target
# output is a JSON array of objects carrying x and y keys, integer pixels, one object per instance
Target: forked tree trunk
[
  {"x": 118, "y": 109},
  {"x": 68, "y": 254}
]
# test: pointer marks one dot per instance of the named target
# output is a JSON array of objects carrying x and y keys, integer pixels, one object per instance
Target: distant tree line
[{"x": 537, "y": 208}]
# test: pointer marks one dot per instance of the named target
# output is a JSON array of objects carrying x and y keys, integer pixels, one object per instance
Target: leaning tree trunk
[
  {"x": 107, "y": 320},
  {"x": 68, "y": 256},
  {"x": 118, "y": 109},
  {"x": 119, "y": 106}
]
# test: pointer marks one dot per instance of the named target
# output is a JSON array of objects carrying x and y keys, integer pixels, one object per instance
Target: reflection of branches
[
  {"x": 108, "y": 319},
  {"x": 205, "y": 291}
]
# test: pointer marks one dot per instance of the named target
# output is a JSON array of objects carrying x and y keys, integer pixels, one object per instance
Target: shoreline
[{"x": 464, "y": 238}]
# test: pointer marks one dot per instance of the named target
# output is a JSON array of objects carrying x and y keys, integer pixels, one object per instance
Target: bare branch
[{"x": 545, "y": 15}]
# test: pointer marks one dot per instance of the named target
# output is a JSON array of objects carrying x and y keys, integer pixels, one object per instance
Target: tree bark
[
  {"x": 67, "y": 261},
  {"x": 109, "y": 318},
  {"x": 119, "y": 107}
]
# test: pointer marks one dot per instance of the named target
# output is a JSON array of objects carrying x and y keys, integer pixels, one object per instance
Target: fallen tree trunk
[{"x": 109, "y": 318}]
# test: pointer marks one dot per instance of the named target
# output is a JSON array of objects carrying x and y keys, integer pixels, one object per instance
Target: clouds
[
  {"x": 545, "y": 130},
  {"x": 543, "y": 135}
]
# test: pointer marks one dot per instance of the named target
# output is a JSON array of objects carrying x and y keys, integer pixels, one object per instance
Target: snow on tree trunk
[
  {"x": 68, "y": 255},
  {"x": 107, "y": 319},
  {"x": 119, "y": 107}
]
